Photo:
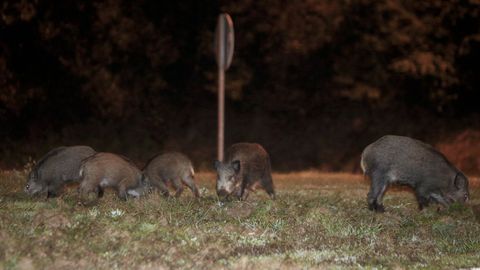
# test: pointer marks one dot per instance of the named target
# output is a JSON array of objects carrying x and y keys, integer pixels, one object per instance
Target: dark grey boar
[
  {"x": 107, "y": 170},
  {"x": 406, "y": 161},
  {"x": 175, "y": 168},
  {"x": 54, "y": 169},
  {"x": 246, "y": 165}
]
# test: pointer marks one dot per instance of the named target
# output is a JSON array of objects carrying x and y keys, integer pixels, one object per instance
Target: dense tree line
[{"x": 317, "y": 72}]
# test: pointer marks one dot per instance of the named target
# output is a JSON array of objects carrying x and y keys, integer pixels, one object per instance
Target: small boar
[
  {"x": 406, "y": 161},
  {"x": 171, "y": 167},
  {"x": 107, "y": 170},
  {"x": 54, "y": 169},
  {"x": 245, "y": 166}
]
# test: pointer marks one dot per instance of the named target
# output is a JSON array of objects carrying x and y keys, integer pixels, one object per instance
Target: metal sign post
[{"x": 224, "y": 43}]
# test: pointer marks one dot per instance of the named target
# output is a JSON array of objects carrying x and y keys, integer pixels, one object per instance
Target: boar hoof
[
  {"x": 370, "y": 207},
  {"x": 376, "y": 207},
  {"x": 81, "y": 203},
  {"x": 380, "y": 208},
  {"x": 51, "y": 194}
]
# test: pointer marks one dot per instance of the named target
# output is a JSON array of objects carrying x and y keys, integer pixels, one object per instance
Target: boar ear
[
  {"x": 460, "y": 181},
  {"x": 236, "y": 165},
  {"x": 216, "y": 164}
]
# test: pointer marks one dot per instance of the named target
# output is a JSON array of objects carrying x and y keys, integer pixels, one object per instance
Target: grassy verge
[{"x": 318, "y": 221}]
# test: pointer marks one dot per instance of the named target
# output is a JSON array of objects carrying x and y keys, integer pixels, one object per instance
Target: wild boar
[
  {"x": 403, "y": 160},
  {"x": 246, "y": 166},
  {"x": 175, "y": 168},
  {"x": 54, "y": 169},
  {"x": 107, "y": 170}
]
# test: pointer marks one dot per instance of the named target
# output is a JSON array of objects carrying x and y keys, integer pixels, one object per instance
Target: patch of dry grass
[{"x": 318, "y": 221}]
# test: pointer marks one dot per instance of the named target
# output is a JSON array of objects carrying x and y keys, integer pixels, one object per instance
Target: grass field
[{"x": 318, "y": 221}]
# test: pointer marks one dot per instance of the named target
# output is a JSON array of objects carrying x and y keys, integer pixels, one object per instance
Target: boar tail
[
  {"x": 81, "y": 172},
  {"x": 363, "y": 165}
]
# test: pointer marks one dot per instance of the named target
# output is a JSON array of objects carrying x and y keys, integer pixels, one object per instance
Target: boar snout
[
  {"x": 33, "y": 188},
  {"x": 222, "y": 193}
]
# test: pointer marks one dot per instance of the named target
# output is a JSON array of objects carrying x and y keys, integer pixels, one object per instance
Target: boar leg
[
  {"x": 51, "y": 194},
  {"x": 52, "y": 190},
  {"x": 422, "y": 202},
  {"x": 160, "y": 184},
  {"x": 99, "y": 192},
  {"x": 375, "y": 196},
  {"x": 244, "y": 194},
  {"x": 421, "y": 199},
  {"x": 177, "y": 184},
  {"x": 238, "y": 193},
  {"x": 244, "y": 189},
  {"x": 122, "y": 192},
  {"x": 191, "y": 185},
  {"x": 440, "y": 199},
  {"x": 163, "y": 189},
  {"x": 267, "y": 184}
]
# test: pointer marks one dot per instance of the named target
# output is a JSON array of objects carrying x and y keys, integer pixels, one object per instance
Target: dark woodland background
[{"x": 313, "y": 81}]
